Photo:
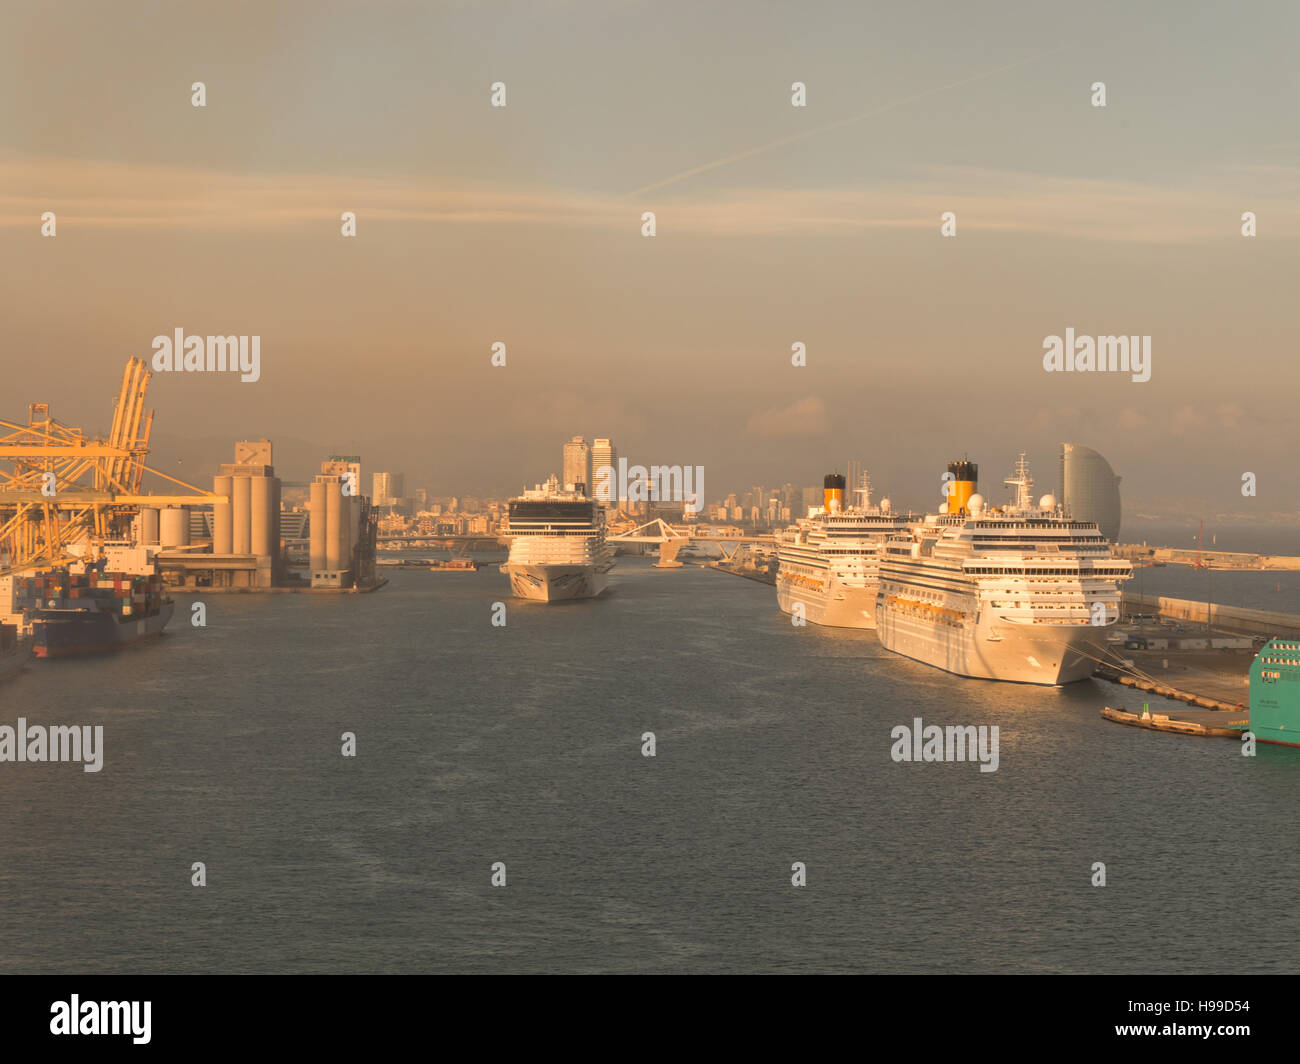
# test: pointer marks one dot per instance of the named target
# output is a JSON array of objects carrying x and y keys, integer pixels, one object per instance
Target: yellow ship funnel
[
  {"x": 833, "y": 492},
  {"x": 960, "y": 485}
]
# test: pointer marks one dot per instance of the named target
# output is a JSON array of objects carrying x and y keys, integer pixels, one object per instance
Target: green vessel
[{"x": 1275, "y": 693}]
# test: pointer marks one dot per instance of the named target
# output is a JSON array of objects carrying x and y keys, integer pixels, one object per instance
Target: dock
[
  {"x": 304, "y": 589},
  {"x": 1204, "y": 722},
  {"x": 1105, "y": 672},
  {"x": 749, "y": 574}
]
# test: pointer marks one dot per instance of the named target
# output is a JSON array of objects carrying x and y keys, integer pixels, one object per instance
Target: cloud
[
  {"x": 1130, "y": 420},
  {"x": 107, "y": 194},
  {"x": 1187, "y": 419},
  {"x": 804, "y": 417},
  {"x": 1230, "y": 415},
  {"x": 763, "y": 149}
]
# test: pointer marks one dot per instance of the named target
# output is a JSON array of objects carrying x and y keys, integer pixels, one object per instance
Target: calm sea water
[{"x": 522, "y": 744}]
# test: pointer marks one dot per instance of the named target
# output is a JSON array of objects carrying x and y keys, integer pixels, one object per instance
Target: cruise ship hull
[
  {"x": 556, "y": 583},
  {"x": 1021, "y": 653},
  {"x": 838, "y": 607}
]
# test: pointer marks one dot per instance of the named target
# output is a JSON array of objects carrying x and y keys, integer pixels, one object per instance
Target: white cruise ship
[
  {"x": 828, "y": 561},
  {"x": 557, "y": 545},
  {"x": 1022, "y": 592}
]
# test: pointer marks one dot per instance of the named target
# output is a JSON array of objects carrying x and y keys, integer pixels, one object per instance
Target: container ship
[
  {"x": 1275, "y": 693},
  {"x": 14, "y": 652},
  {"x": 91, "y": 609},
  {"x": 829, "y": 561},
  {"x": 558, "y": 549},
  {"x": 1021, "y": 592}
]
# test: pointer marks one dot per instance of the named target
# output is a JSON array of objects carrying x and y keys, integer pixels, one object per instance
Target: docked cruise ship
[
  {"x": 828, "y": 561},
  {"x": 1022, "y": 592},
  {"x": 557, "y": 545}
]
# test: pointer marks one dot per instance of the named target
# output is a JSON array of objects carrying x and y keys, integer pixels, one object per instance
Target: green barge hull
[{"x": 1275, "y": 693}]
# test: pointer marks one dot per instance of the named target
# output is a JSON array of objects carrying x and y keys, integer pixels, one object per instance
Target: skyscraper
[
  {"x": 1090, "y": 488},
  {"x": 604, "y": 459},
  {"x": 387, "y": 489},
  {"x": 577, "y": 463}
]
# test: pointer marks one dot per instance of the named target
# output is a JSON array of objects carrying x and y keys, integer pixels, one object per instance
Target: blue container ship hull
[{"x": 67, "y": 633}]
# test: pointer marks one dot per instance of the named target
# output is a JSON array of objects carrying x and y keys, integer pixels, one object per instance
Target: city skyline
[{"x": 777, "y": 226}]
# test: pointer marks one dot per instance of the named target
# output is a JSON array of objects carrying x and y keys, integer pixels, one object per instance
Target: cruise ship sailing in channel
[
  {"x": 1021, "y": 592},
  {"x": 558, "y": 549},
  {"x": 829, "y": 561}
]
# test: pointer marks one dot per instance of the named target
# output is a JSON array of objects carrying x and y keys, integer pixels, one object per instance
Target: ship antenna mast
[{"x": 1022, "y": 482}]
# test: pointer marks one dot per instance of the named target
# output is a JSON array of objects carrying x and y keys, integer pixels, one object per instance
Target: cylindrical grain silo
[
  {"x": 174, "y": 528},
  {"x": 276, "y": 545},
  {"x": 223, "y": 516},
  {"x": 242, "y": 516},
  {"x": 260, "y": 516},
  {"x": 334, "y": 525},
  {"x": 345, "y": 533},
  {"x": 318, "y": 526},
  {"x": 149, "y": 526}
]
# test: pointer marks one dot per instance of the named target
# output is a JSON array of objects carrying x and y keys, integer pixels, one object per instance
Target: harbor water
[{"x": 522, "y": 744}]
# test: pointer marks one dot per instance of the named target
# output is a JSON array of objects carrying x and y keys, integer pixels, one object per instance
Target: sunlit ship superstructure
[
  {"x": 557, "y": 545},
  {"x": 1022, "y": 592},
  {"x": 829, "y": 560}
]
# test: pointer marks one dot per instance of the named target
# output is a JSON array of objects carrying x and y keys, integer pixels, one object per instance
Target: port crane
[{"x": 60, "y": 488}]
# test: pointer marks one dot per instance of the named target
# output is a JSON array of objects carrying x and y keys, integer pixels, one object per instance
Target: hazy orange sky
[{"x": 776, "y": 224}]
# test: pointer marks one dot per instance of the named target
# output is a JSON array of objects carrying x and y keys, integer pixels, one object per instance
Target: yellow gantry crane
[{"x": 61, "y": 488}]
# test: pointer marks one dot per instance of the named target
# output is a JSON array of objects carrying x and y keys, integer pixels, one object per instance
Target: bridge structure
[
  {"x": 672, "y": 538},
  {"x": 455, "y": 544}
]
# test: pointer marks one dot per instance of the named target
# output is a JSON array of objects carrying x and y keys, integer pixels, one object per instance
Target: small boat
[{"x": 455, "y": 565}]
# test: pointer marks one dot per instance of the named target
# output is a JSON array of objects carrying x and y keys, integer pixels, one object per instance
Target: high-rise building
[
  {"x": 604, "y": 472},
  {"x": 853, "y": 480},
  {"x": 388, "y": 489},
  {"x": 1090, "y": 489},
  {"x": 577, "y": 464}
]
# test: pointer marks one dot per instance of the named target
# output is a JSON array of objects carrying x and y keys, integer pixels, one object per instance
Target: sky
[{"x": 774, "y": 225}]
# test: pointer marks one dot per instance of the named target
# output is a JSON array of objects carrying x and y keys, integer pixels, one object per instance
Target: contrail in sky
[{"x": 841, "y": 123}]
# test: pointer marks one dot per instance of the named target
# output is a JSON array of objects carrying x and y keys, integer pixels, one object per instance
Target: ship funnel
[
  {"x": 964, "y": 481},
  {"x": 833, "y": 493}
]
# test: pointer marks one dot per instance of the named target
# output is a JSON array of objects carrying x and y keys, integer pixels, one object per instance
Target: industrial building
[
  {"x": 242, "y": 533},
  {"x": 343, "y": 527}
]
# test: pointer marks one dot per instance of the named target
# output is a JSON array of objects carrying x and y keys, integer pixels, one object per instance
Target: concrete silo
[
  {"x": 261, "y": 494},
  {"x": 335, "y": 529},
  {"x": 318, "y": 525},
  {"x": 175, "y": 527},
  {"x": 148, "y": 526},
  {"x": 223, "y": 516},
  {"x": 241, "y": 514}
]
